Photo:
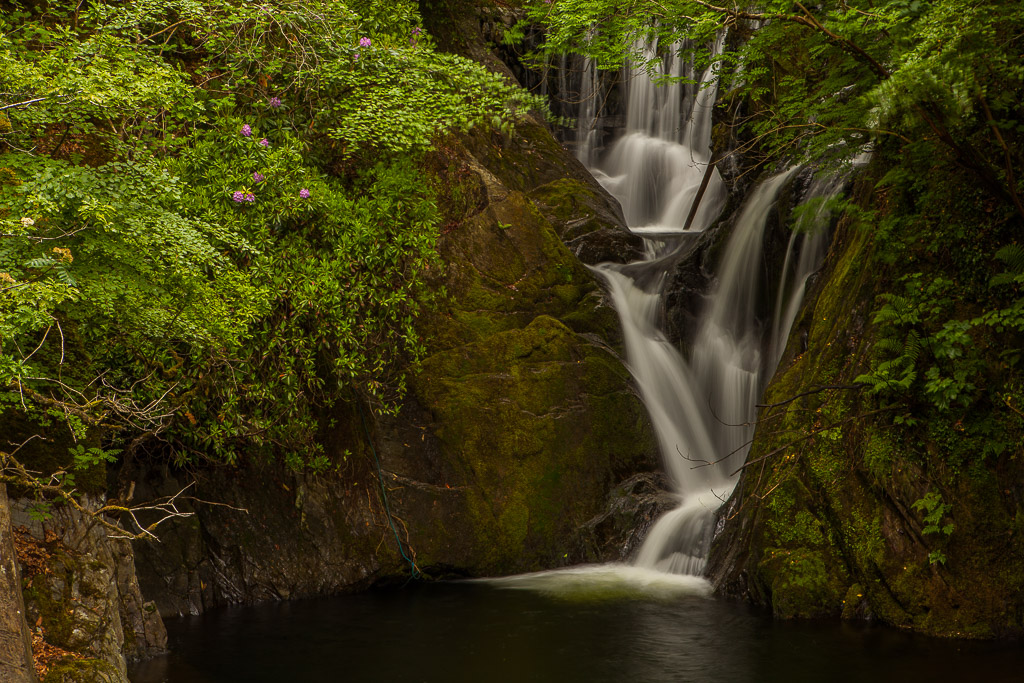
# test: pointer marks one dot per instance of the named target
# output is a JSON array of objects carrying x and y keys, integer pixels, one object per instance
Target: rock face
[
  {"x": 81, "y": 593},
  {"x": 16, "y": 664},
  {"x": 822, "y": 523}
]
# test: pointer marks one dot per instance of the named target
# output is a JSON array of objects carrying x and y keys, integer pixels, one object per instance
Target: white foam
[{"x": 605, "y": 582}]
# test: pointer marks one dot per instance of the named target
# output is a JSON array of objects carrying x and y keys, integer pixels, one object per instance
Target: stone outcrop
[
  {"x": 81, "y": 596},
  {"x": 823, "y": 522},
  {"x": 16, "y": 665}
]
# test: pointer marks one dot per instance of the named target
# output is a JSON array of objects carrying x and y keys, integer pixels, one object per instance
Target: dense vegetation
[{"x": 215, "y": 222}]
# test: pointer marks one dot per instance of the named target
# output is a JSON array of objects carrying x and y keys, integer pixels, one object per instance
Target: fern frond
[{"x": 1013, "y": 256}]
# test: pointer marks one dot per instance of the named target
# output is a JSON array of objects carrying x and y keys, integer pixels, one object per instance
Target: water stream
[{"x": 701, "y": 406}]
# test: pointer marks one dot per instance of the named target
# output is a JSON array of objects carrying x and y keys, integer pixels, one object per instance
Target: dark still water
[{"x": 484, "y": 633}]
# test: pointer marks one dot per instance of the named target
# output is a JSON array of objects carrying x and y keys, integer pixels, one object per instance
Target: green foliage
[
  {"x": 935, "y": 512},
  {"x": 823, "y": 82},
  {"x": 85, "y": 458},
  {"x": 214, "y": 227}
]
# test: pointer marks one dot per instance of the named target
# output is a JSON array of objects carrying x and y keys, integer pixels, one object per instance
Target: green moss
[
  {"x": 51, "y": 596},
  {"x": 879, "y": 453},
  {"x": 801, "y": 584},
  {"x": 82, "y": 671},
  {"x": 539, "y": 420},
  {"x": 500, "y": 278},
  {"x": 853, "y": 601}
]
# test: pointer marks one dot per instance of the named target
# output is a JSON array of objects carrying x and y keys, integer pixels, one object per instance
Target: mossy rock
[
  {"x": 829, "y": 515},
  {"x": 538, "y": 424},
  {"x": 801, "y": 584},
  {"x": 507, "y": 265},
  {"x": 69, "y": 670}
]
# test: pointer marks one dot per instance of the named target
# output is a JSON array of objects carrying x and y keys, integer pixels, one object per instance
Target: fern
[
  {"x": 897, "y": 310},
  {"x": 1013, "y": 256}
]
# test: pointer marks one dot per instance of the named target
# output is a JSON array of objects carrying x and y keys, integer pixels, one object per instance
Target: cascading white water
[
  {"x": 702, "y": 408},
  {"x": 804, "y": 255},
  {"x": 586, "y": 136},
  {"x": 656, "y": 166}
]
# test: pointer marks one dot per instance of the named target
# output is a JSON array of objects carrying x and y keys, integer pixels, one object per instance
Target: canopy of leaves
[{"x": 213, "y": 224}]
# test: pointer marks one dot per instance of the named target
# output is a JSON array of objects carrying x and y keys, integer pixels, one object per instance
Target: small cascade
[
  {"x": 586, "y": 135},
  {"x": 701, "y": 407},
  {"x": 804, "y": 255},
  {"x": 655, "y": 167}
]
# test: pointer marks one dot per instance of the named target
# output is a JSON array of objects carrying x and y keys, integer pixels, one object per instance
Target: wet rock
[
  {"x": 16, "y": 665},
  {"x": 87, "y": 600},
  {"x": 631, "y": 509}
]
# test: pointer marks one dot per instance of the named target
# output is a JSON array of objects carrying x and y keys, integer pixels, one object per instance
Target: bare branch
[
  {"x": 818, "y": 390},
  {"x": 24, "y": 103}
]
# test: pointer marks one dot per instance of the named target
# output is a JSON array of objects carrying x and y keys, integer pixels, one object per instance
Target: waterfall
[
  {"x": 701, "y": 407},
  {"x": 586, "y": 135},
  {"x": 804, "y": 255},
  {"x": 655, "y": 167}
]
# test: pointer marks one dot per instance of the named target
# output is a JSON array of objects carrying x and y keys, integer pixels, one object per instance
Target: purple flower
[
  {"x": 416, "y": 31},
  {"x": 258, "y": 177},
  {"x": 304, "y": 193},
  {"x": 264, "y": 143},
  {"x": 275, "y": 102},
  {"x": 246, "y": 130},
  {"x": 240, "y": 196},
  {"x": 365, "y": 42},
  {"x": 357, "y": 55}
]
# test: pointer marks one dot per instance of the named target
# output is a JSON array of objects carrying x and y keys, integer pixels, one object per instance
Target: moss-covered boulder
[
  {"x": 538, "y": 424},
  {"x": 523, "y": 419},
  {"x": 83, "y": 671}
]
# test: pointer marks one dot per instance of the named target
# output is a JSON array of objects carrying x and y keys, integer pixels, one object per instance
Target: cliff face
[
  {"x": 861, "y": 508},
  {"x": 81, "y": 596}
]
